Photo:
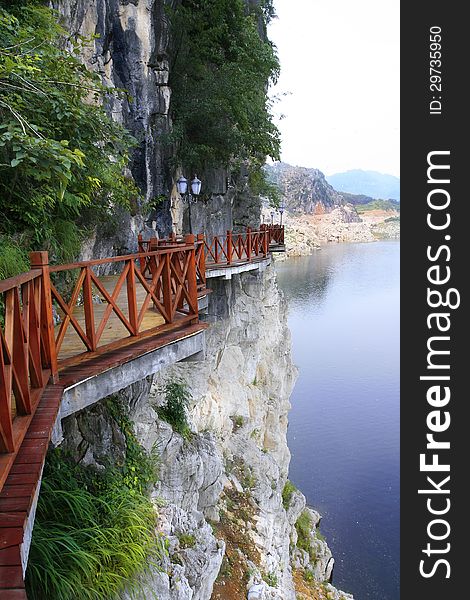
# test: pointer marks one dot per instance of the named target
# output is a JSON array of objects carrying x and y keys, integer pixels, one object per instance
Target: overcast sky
[{"x": 340, "y": 68}]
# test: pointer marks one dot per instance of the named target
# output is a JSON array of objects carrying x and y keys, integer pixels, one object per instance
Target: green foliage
[
  {"x": 288, "y": 490},
  {"x": 140, "y": 469},
  {"x": 261, "y": 186},
  {"x": 378, "y": 205},
  {"x": 237, "y": 421},
  {"x": 221, "y": 70},
  {"x": 309, "y": 575},
  {"x": 303, "y": 527},
  {"x": 248, "y": 480},
  {"x": 61, "y": 157},
  {"x": 92, "y": 536},
  {"x": 186, "y": 540},
  {"x": 13, "y": 258},
  {"x": 177, "y": 397},
  {"x": 271, "y": 579}
]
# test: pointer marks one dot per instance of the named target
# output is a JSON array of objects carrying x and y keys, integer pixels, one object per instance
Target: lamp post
[
  {"x": 282, "y": 208},
  {"x": 189, "y": 196},
  {"x": 272, "y": 217}
]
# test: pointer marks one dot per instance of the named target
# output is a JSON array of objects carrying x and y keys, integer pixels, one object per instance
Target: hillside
[
  {"x": 304, "y": 190},
  {"x": 370, "y": 183}
]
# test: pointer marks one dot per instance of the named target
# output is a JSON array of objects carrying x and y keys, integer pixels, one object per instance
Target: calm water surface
[{"x": 344, "y": 422}]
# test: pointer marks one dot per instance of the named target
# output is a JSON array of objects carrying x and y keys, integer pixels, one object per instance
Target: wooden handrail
[
  {"x": 31, "y": 338},
  {"x": 38, "y": 315},
  {"x": 27, "y": 359}
]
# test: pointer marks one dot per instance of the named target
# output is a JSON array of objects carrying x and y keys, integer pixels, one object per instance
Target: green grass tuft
[
  {"x": 92, "y": 537},
  {"x": 177, "y": 396},
  {"x": 288, "y": 490}
]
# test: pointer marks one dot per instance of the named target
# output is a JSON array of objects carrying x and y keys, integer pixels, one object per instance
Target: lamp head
[
  {"x": 196, "y": 186},
  {"x": 182, "y": 185}
]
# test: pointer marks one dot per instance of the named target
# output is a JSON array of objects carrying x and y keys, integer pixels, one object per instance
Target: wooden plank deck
[
  {"x": 17, "y": 494},
  {"x": 114, "y": 329}
]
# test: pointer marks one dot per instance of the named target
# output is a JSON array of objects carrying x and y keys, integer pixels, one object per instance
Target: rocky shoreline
[{"x": 306, "y": 233}]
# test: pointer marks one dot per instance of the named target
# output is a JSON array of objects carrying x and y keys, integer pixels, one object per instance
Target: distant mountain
[
  {"x": 368, "y": 183},
  {"x": 304, "y": 191}
]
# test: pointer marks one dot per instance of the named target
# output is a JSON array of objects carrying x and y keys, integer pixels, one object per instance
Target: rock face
[
  {"x": 130, "y": 52},
  {"x": 305, "y": 191},
  {"x": 130, "y": 49},
  {"x": 224, "y": 482}
]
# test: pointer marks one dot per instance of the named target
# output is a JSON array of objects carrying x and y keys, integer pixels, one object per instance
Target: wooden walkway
[{"x": 64, "y": 324}]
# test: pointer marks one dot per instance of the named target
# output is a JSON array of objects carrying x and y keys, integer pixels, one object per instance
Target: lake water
[{"x": 344, "y": 423}]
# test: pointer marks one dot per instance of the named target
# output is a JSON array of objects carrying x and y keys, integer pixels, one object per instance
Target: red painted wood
[
  {"x": 10, "y": 557},
  {"x": 12, "y": 519},
  {"x": 14, "y": 594},
  {"x": 22, "y": 490},
  {"x": 22, "y": 478},
  {"x": 11, "y": 577},
  {"x": 15, "y": 504},
  {"x": 40, "y": 260},
  {"x": 11, "y": 536}
]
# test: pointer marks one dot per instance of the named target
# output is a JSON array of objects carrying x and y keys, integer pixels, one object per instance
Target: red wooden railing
[
  {"x": 27, "y": 353},
  {"x": 30, "y": 342},
  {"x": 169, "y": 272},
  {"x": 236, "y": 247},
  {"x": 166, "y": 274},
  {"x": 223, "y": 250},
  {"x": 275, "y": 232}
]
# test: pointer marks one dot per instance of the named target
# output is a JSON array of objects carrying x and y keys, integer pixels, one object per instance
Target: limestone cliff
[
  {"x": 130, "y": 47},
  {"x": 219, "y": 490},
  {"x": 304, "y": 191}
]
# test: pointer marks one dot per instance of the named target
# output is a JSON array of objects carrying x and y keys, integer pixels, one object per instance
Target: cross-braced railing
[
  {"x": 55, "y": 316},
  {"x": 275, "y": 232},
  {"x": 236, "y": 247}
]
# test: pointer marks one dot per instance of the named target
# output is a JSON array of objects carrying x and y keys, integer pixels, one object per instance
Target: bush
[
  {"x": 288, "y": 490},
  {"x": 61, "y": 156},
  {"x": 304, "y": 527},
  {"x": 271, "y": 579},
  {"x": 222, "y": 68},
  {"x": 177, "y": 398},
  {"x": 186, "y": 540},
  {"x": 92, "y": 536},
  {"x": 13, "y": 258}
]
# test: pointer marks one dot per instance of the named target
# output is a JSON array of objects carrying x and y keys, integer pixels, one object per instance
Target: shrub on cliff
[
  {"x": 94, "y": 533},
  {"x": 222, "y": 66},
  {"x": 61, "y": 157},
  {"x": 177, "y": 397}
]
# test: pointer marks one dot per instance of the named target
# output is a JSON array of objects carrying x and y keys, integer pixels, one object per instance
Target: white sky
[{"x": 340, "y": 66}]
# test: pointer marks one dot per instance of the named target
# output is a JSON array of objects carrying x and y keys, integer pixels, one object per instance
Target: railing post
[
  {"x": 132, "y": 298},
  {"x": 141, "y": 249},
  {"x": 40, "y": 260},
  {"x": 202, "y": 257},
  {"x": 229, "y": 246},
  {"x": 166, "y": 286},
  {"x": 89, "y": 308},
  {"x": 191, "y": 278},
  {"x": 248, "y": 243},
  {"x": 265, "y": 242}
]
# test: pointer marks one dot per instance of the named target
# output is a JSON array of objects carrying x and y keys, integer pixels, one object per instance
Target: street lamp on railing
[
  {"x": 189, "y": 196},
  {"x": 272, "y": 217},
  {"x": 282, "y": 208}
]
